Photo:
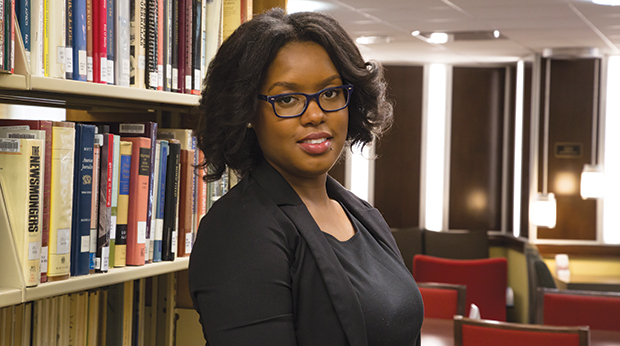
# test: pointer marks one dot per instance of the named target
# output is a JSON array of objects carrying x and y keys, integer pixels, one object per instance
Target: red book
[
  {"x": 201, "y": 192},
  {"x": 186, "y": 197},
  {"x": 89, "y": 40},
  {"x": 100, "y": 45},
  {"x": 138, "y": 199},
  {"x": 46, "y": 126}
]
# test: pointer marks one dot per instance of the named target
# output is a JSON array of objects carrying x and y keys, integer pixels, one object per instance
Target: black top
[
  {"x": 386, "y": 292},
  {"x": 261, "y": 272}
]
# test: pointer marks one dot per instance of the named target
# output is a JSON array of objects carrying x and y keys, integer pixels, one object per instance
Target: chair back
[
  {"x": 538, "y": 275},
  {"x": 457, "y": 244},
  {"x": 410, "y": 242},
  {"x": 468, "y": 332},
  {"x": 485, "y": 279},
  {"x": 599, "y": 310},
  {"x": 442, "y": 300}
]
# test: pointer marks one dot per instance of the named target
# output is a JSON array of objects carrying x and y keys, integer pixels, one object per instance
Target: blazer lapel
[{"x": 340, "y": 289}]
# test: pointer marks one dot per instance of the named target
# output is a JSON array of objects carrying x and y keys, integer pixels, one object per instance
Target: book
[
  {"x": 152, "y": 80},
  {"x": 138, "y": 199},
  {"x": 122, "y": 64},
  {"x": 102, "y": 259},
  {"x": 161, "y": 195},
  {"x": 82, "y": 198},
  {"x": 36, "y": 37},
  {"x": 160, "y": 44},
  {"x": 21, "y": 170},
  {"x": 138, "y": 312},
  {"x": 171, "y": 203},
  {"x": 197, "y": 59},
  {"x": 214, "y": 33},
  {"x": 59, "y": 250},
  {"x": 174, "y": 44},
  {"x": 89, "y": 40},
  {"x": 182, "y": 34},
  {"x": 69, "y": 5},
  {"x": 114, "y": 314},
  {"x": 54, "y": 39},
  {"x": 111, "y": 41},
  {"x": 114, "y": 209},
  {"x": 46, "y": 126},
  {"x": 167, "y": 42},
  {"x": 186, "y": 198},
  {"x": 149, "y": 130},
  {"x": 137, "y": 43},
  {"x": 151, "y": 239},
  {"x": 188, "y": 43},
  {"x": 94, "y": 215},
  {"x": 22, "y": 10},
  {"x": 128, "y": 309},
  {"x": 100, "y": 42},
  {"x": 201, "y": 193},
  {"x": 231, "y": 16},
  {"x": 64, "y": 313},
  {"x": 120, "y": 248},
  {"x": 103, "y": 316},
  {"x": 79, "y": 62},
  {"x": 93, "y": 318}
]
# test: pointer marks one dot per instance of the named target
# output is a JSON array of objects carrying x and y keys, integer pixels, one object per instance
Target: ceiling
[{"x": 526, "y": 27}]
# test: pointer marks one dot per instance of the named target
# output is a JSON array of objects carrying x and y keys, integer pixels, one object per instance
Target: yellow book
[
  {"x": 120, "y": 248},
  {"x": 93, "y": 318},
  {"x": 232, "y": 17},
  {"x": 61, "y": 192},
  {"x": 21, "y": 176},
  {"x": 127, "y": 312}
]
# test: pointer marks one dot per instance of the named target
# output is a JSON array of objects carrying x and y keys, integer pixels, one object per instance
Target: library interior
[{"x": 498, "y": 178}]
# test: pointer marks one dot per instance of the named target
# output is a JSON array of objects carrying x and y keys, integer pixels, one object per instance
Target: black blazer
[{"x": 262, "y": 273}]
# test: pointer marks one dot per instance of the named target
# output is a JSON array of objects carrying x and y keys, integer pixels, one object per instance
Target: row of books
[
  {"x": 127, "y": 313},
  {"x": 83, "y": 198},
  {"x": 153, "y": 44}
]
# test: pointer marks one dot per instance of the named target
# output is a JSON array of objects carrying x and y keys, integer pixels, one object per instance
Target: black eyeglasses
[{"x": 292, "y": 105}]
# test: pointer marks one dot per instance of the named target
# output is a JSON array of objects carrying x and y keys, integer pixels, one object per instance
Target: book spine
[
  {"x": 89, "y": 40},
  {"x": 151, "y": 44},
  {"x": 137, "y": 43},
  {"x": 69, "y": 11},
  {"x": 214, "y": 32},
  {"x": 189, "y": 44},
  {"x": 32, "y": 252},
  {"x": 110, "y": 37},
  {"x": 36, "y": 37},
  {"x": 82, "y": 197},
  {"x": 59, "y": 257},
  {"x": 197, "y": 47},
  {"x": 182, "y": 51},
  {"x": 23, "y": 18},
  {"x": 94, "y": 215},
  {"x": 231, "y": 17},
  {"x": 47, "y": 194},
  {"x": 100, "y": 43},
  {"x": 2, "y": 37},
  {"x": 167, "y": 36},
  {"x": 138, "y": 200},
  {"x": 80, "y": 64},
  {"x": 120, "y": 251},
  {"x": 161, "y": 195},
  {"x": 169, "y": 244},
  {"x": 201, "y": 192},
  {"x": 102, "y": 260},
  {"x": 160, "y": 44},
  {"x": 12, "y": 40},
  {"x": 174, "y": 49},
  {"x": 122, "y": 43},
  {"x": 56, "y": 28},
  {"x": 151, "y": 239},
  {"x": 114, "y": 209},
  {"x": 186, "y": 198},
  {"x": 203, "y": 45}
]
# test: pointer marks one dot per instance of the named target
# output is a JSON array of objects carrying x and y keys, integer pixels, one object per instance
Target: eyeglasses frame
[{"x": 309, "y": 97}]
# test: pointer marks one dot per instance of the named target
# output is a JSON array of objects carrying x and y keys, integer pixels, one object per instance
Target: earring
[{"x": 249, "y": 125}]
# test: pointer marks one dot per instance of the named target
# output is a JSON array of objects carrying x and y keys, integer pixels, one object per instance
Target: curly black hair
[{"x": 238, "y": 70}]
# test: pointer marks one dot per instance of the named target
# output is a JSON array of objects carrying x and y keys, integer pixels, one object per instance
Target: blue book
[
  {"x": 79, "y": 40},
  {"x": 110, "y": 38},
  {"x": 82, "y": 198},
  {"x": 22, "y": 11},
  {"x": 160, "y": 189}
]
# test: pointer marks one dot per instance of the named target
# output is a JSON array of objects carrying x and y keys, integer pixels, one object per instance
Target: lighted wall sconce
[
  {"x": 592, "y": 181},
  {"x": 543, "y": 210}
]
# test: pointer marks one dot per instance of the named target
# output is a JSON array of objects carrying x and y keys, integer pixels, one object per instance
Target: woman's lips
[{"x": 316, "y": 145}]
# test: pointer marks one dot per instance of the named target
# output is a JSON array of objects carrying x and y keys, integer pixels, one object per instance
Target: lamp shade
[
  {"x": 592, "y": 181},
  {"x": 543, "y": 210}
]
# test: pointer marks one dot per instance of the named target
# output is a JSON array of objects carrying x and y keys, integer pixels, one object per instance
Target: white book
[
  {"x": 122, "y": 67},
  {"x": 54, "y": 38},
  {"x": 36, "y": 38}
]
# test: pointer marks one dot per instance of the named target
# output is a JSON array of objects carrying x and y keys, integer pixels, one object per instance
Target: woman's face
[{"x": 306, "y": 146}]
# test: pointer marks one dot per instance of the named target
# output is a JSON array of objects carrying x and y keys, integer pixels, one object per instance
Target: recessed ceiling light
[
  {"x": 372, "y": 39},
  {"x": 293, "y": 6},
  {"x": 415, "y": 33},
  {"x": 438, "y": 38},
  {"x": 607, "y": 2},
  {"x": 496, "y": 33}
]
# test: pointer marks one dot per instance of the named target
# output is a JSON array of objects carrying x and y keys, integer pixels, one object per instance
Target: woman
[{"x": 288, "y": 256}]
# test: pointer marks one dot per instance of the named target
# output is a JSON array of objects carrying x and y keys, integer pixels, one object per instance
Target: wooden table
[
  {"x": 438, "y": 332},
  {"x": 610, "y": 283}
]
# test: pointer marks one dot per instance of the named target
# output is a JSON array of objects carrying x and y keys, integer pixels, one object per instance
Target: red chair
[
  {"x": 599, "y": 310},
  {"x": 485, "y": 279},
  {"x": 442, "y": 300},
  {"x": 469, "y": 332}
]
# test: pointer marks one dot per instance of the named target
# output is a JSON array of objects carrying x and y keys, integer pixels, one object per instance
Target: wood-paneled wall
[{"x": 397, "y": 168}]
